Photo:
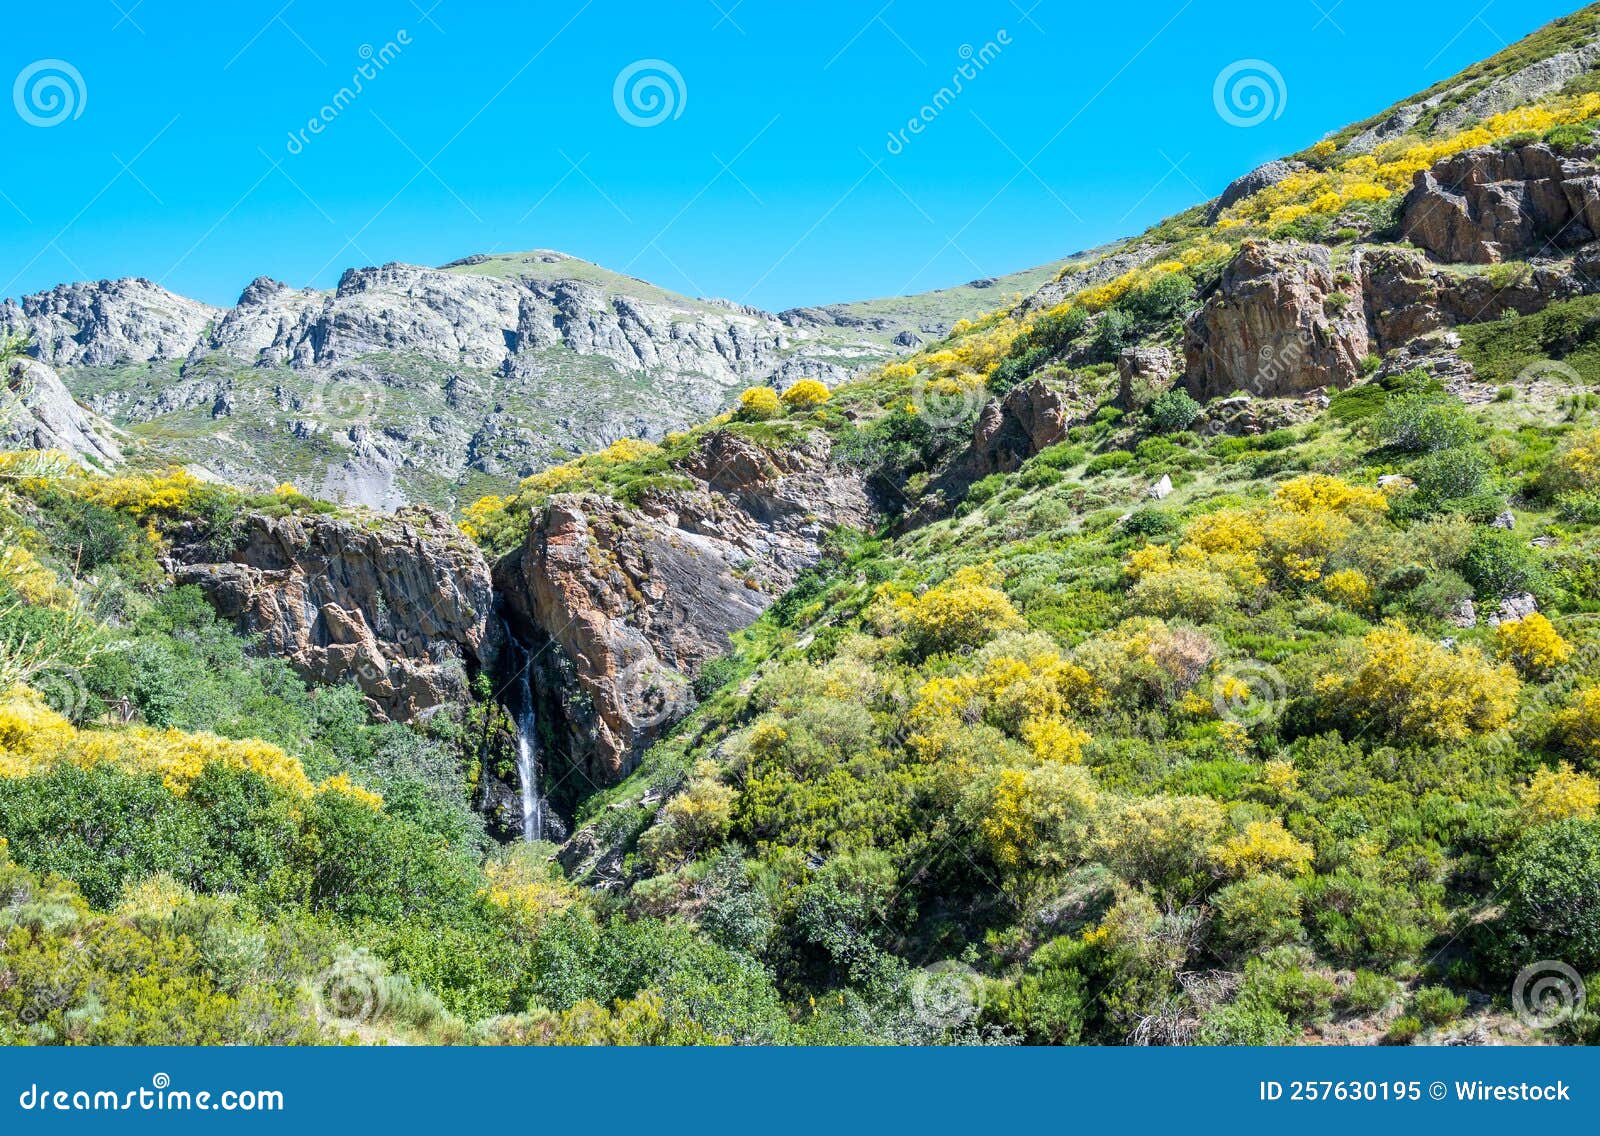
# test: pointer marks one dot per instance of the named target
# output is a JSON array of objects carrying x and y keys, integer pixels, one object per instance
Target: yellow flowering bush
[
  {"x": 526, "y": 891},
  {"x": 1558, "y": 794},
  {"x": 966, "y": 610},
  {"x": 1577, "y": 463},
  {"x": 756, "y": 404},
  {"x": 142, "y": 494},
  {"x": 1039, "y": 818},
  {"x": 1579, "y": 724},
  {"x": 1532, "y": 644},
  {"x": 624, "y": 450},
  {"x": 806, "y": 394},
  {"x": 1376, "y": 177},
  {"x": 1415, "y": 687},
  {"x": 1030, "y": 696},
  {"x": 1264, "y": 846},
  {"x": 31, "y": 580},
  {"x": 34, "y": 737},
  {"x": 1350, "y": 587}
]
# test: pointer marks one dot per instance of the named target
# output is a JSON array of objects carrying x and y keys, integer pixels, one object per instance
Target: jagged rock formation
[
  {"x": 1285, "y": 322},
  {"x": 108, "y": 322},
  {"x": 1009, "y": 431},
  {"x": 401, "y": 606},
  {"x": 438, "y": 384},
  {"x": 634, "y": 600},
  {"x": 1282, "y": 322},
  {"x": 37, "y": 413},
  {"x": 1485, "y": 205}
]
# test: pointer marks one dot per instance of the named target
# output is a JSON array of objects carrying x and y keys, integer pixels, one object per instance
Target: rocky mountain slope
[
  {"x": 435, "y": 385},
  {"x": 1200, "y": 648}
]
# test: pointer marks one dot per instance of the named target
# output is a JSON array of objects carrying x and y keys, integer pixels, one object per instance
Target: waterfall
[{"x": 528, "y": 759}]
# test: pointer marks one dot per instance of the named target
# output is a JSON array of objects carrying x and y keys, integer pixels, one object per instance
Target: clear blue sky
[{"x": 496, "y": 129}]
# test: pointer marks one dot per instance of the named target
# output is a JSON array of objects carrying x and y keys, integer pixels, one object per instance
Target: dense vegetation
[{"x": 1286, "y": 754}]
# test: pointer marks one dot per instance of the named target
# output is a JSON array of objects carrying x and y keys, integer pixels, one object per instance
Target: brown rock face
[
  {"x": 1281, "y": 323},
  {"x": 1009, "y": 431},
  {"x": 1484, "y": 205},
  {"x": 400, "y": 610},
  {"x": 626, "y": 604}
]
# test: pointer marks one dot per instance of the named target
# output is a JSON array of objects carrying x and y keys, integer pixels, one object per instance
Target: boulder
[
  {"x": 1143, "y": 373},
  {"x": 1485, "y": 205},
  {"x": 1281, "y": 322},
  {"x": 1252, "y": 183},
  {"x": 1010, "y": 430}
]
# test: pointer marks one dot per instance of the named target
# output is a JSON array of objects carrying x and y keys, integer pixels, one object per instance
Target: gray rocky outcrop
[
  {"x": 1142, "y": 374},
  {"x": 1488, "y": 204},
  {"x": 38, "y": 413}
]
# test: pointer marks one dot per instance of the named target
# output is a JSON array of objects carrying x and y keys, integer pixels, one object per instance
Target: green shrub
[
  {"x": 1172, "y": 411},
  {"x": 1402, "y": 1031},
  {"x": 1109, "y": 461},
  {"x": 1424, "y": 423},
  {"x": 1500, "y": 563},
  {"x": 1257, "y": 914},
  {"x": 1370, "y": 992},
  {"x": 1437, "y": 1005},
  {"x": 1551, "y": 883}
]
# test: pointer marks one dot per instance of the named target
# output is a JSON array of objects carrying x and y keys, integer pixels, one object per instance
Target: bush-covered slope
[{"x": 1145, "y": 716}]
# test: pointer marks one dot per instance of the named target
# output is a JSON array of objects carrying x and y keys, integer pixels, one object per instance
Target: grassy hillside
[{"x": 1284, "y": 756}]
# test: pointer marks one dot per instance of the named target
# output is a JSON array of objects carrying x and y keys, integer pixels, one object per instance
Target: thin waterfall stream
[{"x": 528, "y": 760}]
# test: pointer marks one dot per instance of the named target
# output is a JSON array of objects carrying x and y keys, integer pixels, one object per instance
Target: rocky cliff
[
  {"x": 402, "y": 606},
  {"x": 38, "y": 413},
  {"x": 624, "y": 604}
]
